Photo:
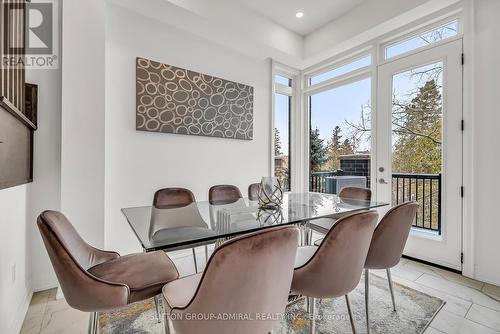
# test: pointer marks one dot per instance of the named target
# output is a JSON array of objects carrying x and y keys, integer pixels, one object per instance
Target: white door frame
[{"x": 445, "y": 249}]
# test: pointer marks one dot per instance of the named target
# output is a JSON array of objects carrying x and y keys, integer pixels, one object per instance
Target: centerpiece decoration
[{"x": 270, "y": 193}]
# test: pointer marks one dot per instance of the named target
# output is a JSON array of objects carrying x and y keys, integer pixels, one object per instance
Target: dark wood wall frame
[{"x": 18, "y": 101}]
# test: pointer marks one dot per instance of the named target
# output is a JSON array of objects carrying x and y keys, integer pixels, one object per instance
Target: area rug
[{"x": 415, "y": 310}]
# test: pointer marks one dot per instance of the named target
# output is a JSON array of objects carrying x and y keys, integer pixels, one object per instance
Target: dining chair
[
  {"x": 94, "y": 280},
  {"x": 229, "y": 197},
  {"x": 386, "y": 248},
  {"x": 334, "y": 268},
  {"x": 247, "y": 277},
  {"x": 175, "y": 216},
  {"x": 253, "y": 191},
  {"x": 323, "y": 225}
]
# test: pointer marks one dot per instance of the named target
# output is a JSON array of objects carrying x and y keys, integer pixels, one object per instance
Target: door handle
[{"x": 382, "y": 181}]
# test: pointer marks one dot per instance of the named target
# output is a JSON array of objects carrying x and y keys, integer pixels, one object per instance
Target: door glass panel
[
  {"x": 340, "y": 137},
  {"x": 282, "y": 110},
  {"x": 417, "y": 122}
]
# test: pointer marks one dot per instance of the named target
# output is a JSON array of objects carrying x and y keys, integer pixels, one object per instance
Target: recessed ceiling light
[{"x": 299, "y": 15}]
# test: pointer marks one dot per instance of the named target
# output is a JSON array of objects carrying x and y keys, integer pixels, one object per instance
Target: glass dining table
[{"x": 201, "y": 223}]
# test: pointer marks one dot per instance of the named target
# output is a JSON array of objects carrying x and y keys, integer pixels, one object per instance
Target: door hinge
[
  {"x": 462, "y": 191},
  {"x": 462, "y": 125},
  {"x": 463, "y": 59},
  {"x": 462, "y": 258}
]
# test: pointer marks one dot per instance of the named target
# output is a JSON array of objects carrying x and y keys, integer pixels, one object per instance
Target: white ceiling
[{"x": 317, "y": 13}]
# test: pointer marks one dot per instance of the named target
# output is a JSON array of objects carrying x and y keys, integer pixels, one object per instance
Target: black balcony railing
[
  {"x": 317, "y": 181},
  {"x": 426, "y": 190},
  {"x": 423, "y": 188}
]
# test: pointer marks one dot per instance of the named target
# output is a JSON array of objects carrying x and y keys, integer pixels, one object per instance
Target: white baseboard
[
  {"x": 17, "y": 322},
  {"x": 44, "y": 283}
]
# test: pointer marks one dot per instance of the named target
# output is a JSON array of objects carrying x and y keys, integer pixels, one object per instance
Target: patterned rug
[{"x": 415, "y": 310}]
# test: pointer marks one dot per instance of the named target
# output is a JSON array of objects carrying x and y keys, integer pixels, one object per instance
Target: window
[
  {"x": 282, "y": 109},
  {"x": 282, "y": 80},
  {"x": 435, "y": 35},
  {"x": 340, "y": 70},
  {"x": 281, "y": 132},
  {"x": 340, "y": 132}
]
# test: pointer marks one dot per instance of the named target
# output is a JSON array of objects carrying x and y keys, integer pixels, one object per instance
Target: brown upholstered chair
[
  {"x": 248, "y": 276},
  {"x": 334, "y": 268},
  {"x": 175, "y": 216},
  {"x": 387, "y": 245},
  {"x": 94, "y": 280},
  {"x": 253, "y": 191},
  {"x": 223, "y": 196},
  {"x": 361, "y": 194},
  {"x": 322, "y": 225}
]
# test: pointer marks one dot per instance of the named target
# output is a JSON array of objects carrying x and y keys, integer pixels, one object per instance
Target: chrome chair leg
[
  {"x": 206, "y": 254},
  {"x": 194, "y": 260},
  {"x": 157, "y": 307},
  {"x": 167, "y": 325},
  {"x": 93, "y": 323},
  {"x": 389, "y": 278},
  {"x": 350, "y": 314},
  {"x": 367, "y": 294},
  {"x": 311, "y": 309}
]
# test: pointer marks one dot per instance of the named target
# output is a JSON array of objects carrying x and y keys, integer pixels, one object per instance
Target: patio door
[{"x": 419, "y": 147}]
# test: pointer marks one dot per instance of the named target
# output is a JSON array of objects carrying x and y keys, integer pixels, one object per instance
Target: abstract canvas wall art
[{"x": 175, "y": 100}]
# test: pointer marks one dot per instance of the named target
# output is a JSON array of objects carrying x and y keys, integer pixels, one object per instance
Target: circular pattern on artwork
[
  {"x": 203, "y": 102},
  {"x": 141, "y": 108},
  {"x": 152, "y": 113},
  {"x": 181, "y": 110},
  {"x": 154, "y": 78},
  {"x": 166, "y": 116},
  {"x": 146, "y": 100},
  {"x": 180, "y": 96},
  {"x": 168, "y": 74},
  {"x": 186, "y": 85},
  {"x": 197, "y": 114},
  {"x": 152, "y": 124},
  {"x": 216, "y": 100},
  {"x": 140, "y": 120},
  {"x": 180, "y": 73},
  {"x": 150, "y": 89},
  {"x": 194, "y": 129},
  {"x": 182, "y": 130},
  {"x": 172, "y": 86},
  {"x": 210, "y": 113},
  {"x": 160, "y": 102}
]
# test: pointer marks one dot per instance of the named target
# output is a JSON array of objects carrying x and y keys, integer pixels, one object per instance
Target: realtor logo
[
  {"x": 39, "y": 28},
  {"x": 39, "y": 44}
]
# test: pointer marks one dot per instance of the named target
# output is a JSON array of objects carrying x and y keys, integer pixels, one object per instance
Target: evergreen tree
[
  {"x": 334, "y": 147},
  {"x": 319, "y": 151},
  {"x": 417, "y": 126}
]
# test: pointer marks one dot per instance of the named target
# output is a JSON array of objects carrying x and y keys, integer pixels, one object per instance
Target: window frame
[{"x": 294, "y": 106}]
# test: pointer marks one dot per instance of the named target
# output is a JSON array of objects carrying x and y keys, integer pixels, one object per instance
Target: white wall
[
  {"x": 139, "y": 163},
  {"x": 44, "y": 192},
  {"x": 486, "y": 122},
  {"x": 15, "y": 292},
  {"x": 82, "y": 136}
]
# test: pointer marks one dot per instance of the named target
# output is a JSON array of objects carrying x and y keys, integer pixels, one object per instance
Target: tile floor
[{"x": 471, "y": 306}]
